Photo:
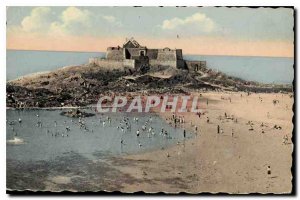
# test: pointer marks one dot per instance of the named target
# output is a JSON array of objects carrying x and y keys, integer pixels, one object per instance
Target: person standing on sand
[
  {"x": 232, "y": 133},
  {"x": 285, "y": 139},
  {"x": 218, "y": 128},
  {"x": 196, "y": 130},
  {"x": 184, "y": 133},
  {"x": 269, "y": 170}
]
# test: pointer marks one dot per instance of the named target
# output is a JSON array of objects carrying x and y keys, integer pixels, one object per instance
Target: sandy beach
[{"x": 246, "y": 161}]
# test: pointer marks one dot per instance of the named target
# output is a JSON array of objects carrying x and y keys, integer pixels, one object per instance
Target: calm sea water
[
  {"x": 19, "y": 63},
  {"x": 80, "y": 156},
  {"x": 40, "y": 143},
  {"x": 261, "y": 69}
]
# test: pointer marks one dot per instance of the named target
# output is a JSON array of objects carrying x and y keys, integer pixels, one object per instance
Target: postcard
[{"x": 154, "y": 99}]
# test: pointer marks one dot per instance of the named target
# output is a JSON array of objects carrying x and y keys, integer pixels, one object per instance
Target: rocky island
[{"x": 74, "y": 86}]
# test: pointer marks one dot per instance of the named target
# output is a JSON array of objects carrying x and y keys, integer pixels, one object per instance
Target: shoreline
[
  {"x": 55, "y": 108},
  {"x": 221, "y": 162},
  {"x": 212, "y": 162},
  {"x": 140, "y": 94}
]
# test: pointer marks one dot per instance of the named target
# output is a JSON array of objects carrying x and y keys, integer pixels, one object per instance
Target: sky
[{"x": 196, "y": 30}]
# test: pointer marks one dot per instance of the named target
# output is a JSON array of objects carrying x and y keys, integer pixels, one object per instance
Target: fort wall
[
  {"x": 179, "y": 54},
  {"x": 134, "y": 56},
  {"x": 181, "y": 64},
  {"x": 171, "y": 63},
  {"x": 113, "y": 64},
  {"x": 114, "y": 53},
  {"x": 135, "y": 52},
  {"x": 166, "y": 54},
  {"x": 152, "y": 53},
  {"x": 195, "y": 65}
]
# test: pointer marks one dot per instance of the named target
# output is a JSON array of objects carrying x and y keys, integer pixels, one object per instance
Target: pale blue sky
[
  {"x": 261, "y": 23},
  {"x": 228, "y": 26}
]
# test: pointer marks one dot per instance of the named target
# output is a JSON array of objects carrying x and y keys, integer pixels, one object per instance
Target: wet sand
[{"x": 213, "y": 162}]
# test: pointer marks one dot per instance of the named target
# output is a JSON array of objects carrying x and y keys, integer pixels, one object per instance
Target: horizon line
[{"x": 183, "y": 54}]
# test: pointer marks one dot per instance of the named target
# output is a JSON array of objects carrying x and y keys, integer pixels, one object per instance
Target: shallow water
[
  {"x": 40, "y": 143},
  {"x": 78, "y": 155}
]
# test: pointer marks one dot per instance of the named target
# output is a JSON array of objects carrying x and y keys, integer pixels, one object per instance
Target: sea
[
  {"x": 40, "y": 149},
  {"x": 278, "y": 70}
]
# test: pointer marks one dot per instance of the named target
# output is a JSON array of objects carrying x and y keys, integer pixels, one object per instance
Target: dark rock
[{"x": 76, "y": 113}]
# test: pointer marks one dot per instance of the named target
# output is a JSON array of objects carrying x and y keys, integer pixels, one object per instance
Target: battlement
[{"x": 143, "y": 56}]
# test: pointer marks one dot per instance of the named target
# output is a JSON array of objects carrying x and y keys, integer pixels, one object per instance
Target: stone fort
[{"x": 133, "y": 56}]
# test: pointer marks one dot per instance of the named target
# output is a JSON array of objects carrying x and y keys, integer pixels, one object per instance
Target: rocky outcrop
[
  {"x": 76, "y": 113},
  {"x": 82, "y": 85}
]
